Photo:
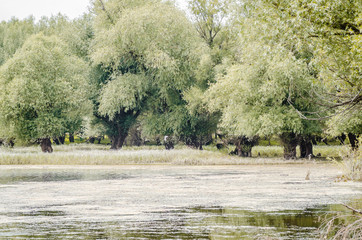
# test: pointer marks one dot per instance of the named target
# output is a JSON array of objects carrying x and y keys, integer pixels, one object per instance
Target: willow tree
[
  {"x": 148, "y": 52},
  {"x": 259, "y": 89},
  {"x": 332, "y": 33},
  {"x": 334, "y": 29},
  {"x": 77, "y": 34},
  {"x": 34, "y": 82},
  {"x": 184, "y": 115},
  {"x": 254, "y": 94}
]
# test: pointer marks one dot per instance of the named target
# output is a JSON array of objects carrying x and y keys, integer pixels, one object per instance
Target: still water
[{"x": 169, "y": 202}]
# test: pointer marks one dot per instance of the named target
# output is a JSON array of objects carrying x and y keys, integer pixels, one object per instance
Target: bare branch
[{"x": 353, "y": 209}]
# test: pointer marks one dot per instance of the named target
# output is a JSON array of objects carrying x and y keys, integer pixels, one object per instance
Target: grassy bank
[
  {"x": 277, "y": 151},
  {"x": 91, "y": 154}
]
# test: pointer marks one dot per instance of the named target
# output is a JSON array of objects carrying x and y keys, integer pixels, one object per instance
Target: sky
[{"x": 38, "y": 8}]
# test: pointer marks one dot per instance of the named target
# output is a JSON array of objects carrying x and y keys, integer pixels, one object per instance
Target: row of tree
[{"x": 246, "y": 69}]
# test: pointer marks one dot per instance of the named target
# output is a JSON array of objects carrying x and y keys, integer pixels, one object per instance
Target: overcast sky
[{"x": 24, "y": 8}]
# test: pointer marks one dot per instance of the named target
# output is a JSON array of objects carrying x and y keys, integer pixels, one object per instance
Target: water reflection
[
  {"x": 36, "y": 175},
  {"x": 192, "y": 223},
  {"x": 250, "y": 224}
]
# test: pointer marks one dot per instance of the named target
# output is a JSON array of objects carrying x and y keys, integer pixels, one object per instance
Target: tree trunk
[
  {"x": 46, "y": 145},
  {"x": 62, "y": 139},
  {"x": 91, "y": 139},
  {"x": 353, "y": 141},
  {"x": 241, "y": 152},
  {"x": 238, "y": 148},
  {"x": 303, "y": 149},
  {"x": 56, "y": 141},
  {"x": 71, "y": 137},
  {"x": 243, "y": 146},
  {"x": 119, "y": 126},
  {"x": 117, "y": 141},
  {"x": 342, "y": 138},
  {"x": 11, "y": 143},
  {"x": 191, "y": 142},
  {"x": 310, "y": 149},
  {"x": 306, "y": 148},
  {"x": 168, "y": 142},
  {"x": 290, "y": 142},
  {"x": 194, "y": 142},
  {"x": 200, "y": 143}
]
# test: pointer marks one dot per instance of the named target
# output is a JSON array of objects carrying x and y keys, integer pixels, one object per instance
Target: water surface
[{"x": 169, "y": 202}]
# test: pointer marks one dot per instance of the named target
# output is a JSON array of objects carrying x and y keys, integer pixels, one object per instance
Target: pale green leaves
[
  {"x": 253, "y": 96},
  {"x": 151, "y": 52},
  {"x": 43, "y": 86},
  {"x": 194, "y": 99},
  {"x": 13, "y": 35},
  {"x": 124, "y": 93},
  {"x": 153, "y": 38}
]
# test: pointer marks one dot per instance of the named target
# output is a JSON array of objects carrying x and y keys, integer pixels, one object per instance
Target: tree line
[{"x": 241, "y": 69}]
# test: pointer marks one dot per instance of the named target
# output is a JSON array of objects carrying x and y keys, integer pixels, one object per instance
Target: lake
[{"x": 169, "y": 202}]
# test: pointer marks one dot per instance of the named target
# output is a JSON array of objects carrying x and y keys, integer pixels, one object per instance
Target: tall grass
[
  {"x": 353, "y": 230},
  {"x": 92, "y": 154},
  {"x": 344, "y": 224},
  {"x": 277, "y": 151},
  {"x": 351, "y": 164}
]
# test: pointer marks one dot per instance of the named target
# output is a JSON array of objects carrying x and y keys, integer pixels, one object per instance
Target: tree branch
[{"x": 353, "y": 209}]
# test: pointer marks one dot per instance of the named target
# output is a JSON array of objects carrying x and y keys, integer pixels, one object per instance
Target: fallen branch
[{"x": 353, "y": 209}]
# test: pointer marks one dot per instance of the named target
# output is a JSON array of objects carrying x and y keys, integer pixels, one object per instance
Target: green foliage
[
  {"x": 149, "y": 54},
  {"x": 126, "y": 93},
  {"x": 268, "y": 83},
  {"x": 34, "y": 84},
  {"x": 345, "y": 123},
  {"x": 327, "y": 36},
  {"x": 333, "y": 29},
  {"x": 254, "y": 94},
  {"x": 162, "y": 46},
  {"x": 209, "y": 16},
  {"x": 77, "y": 33},
  {"x": 261, "y": 67},
  {"x": 13, "y": 35}
]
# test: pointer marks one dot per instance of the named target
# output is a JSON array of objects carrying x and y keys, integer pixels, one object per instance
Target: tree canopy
[
  {"x": 247, "y": 69},
  {"x": 150, "y": 52},
  {"x": 34, "y": 84},
  {"x": 327, "y": 36}
]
